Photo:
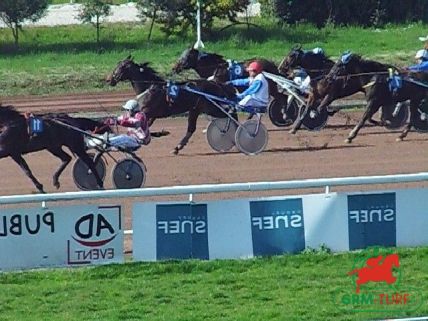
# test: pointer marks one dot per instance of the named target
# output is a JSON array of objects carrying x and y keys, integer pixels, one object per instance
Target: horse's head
[
  {"x": 8, "y": 112},
  {"x": 188, "y": 60},
  {"x": 124, "y": 70},
  {"x": 347, "y": 64},
  {"x": 141, "y": 75},
  {"x": 291, "y": 61}
]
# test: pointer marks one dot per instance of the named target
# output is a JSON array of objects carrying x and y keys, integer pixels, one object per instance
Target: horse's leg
[
  {"x": 66, "y": 159},
  {"x": 91, "y": 165},
  {"x": 413, "y": 113},
  {"x": 24, "y": 166},
  {"x": 191, "y": 127},
  {"x": 299, "y": 120},
  {"x": 372, "y": 107},
  {"x": 151, "y": 121},
  {"x": 298, "y": 123}
]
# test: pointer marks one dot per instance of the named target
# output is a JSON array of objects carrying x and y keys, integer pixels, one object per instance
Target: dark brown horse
[
  {"x": 156, "y": 102},
  {"x": 342, "y": 81},
  {"x": 315, "y": 64},
  {"x": 379, "y": 94},
  {"x": 16, "y": 140},
  {"x": 352, "y": 72}
]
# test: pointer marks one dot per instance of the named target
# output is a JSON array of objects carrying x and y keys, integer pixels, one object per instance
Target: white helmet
[
  {"x": 422, "y": 54},
  {"x": 132, "y": 105}
]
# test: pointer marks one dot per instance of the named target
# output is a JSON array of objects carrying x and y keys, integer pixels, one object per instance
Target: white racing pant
[
  {"x": 125, "y": 141},
  {"x": 251, "y": 102}
]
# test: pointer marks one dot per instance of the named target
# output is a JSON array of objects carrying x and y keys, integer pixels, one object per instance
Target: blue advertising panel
[
  {"x": 277, "y": 226},
  {"x": 371, "y": 220},
  {"x": 181, "y": 231}
]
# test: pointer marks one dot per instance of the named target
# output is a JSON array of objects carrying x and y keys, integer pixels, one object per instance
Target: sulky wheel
[
  {"x": 420, "y": 121},
  {"x": 251, "y": 137},
  {"x": 314, "y": 119},
  {"x": 83, "y": 176},
  {"x": 399, "y": 116},
  {"x": 129, "y": 173},
  {"x": 280, "y": 114},
  {"x": 221, "y": 134}
]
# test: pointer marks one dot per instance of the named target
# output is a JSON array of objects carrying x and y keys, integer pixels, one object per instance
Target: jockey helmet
[
  {"x": 422, "y": 54},
  {"x": 132, "y": 105},
  {"x": 255, "y": 66}
]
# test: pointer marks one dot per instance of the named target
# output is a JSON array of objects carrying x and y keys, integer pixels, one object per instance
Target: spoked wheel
[
  {"x": 399, "y": 116},
  {"x": 251, "y": 137},
  {"x": 83, "y": 176},
  {"x": 221, "y": 134},
  {"x": 280, "y": 114},
  {"x": 315, "y": 120},
  {"x": 128, "y": 173}
]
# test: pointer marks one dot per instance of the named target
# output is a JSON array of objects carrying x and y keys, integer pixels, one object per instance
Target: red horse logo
[{"x": 377, "y": 271}]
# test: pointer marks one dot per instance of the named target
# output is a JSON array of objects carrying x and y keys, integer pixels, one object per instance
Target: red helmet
[{"x": 255, "y": 66}]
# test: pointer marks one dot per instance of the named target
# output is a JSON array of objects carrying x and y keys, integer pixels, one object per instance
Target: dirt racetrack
[{"x": 287, "y": 157}]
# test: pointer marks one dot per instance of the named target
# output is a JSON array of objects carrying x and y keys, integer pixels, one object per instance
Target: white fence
[
  {"x": 75, "y": 235},
  {"x": 217, "y": 188}
]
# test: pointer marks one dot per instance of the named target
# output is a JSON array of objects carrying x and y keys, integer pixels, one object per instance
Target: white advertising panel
[
  {"x": 60, "y": 236},
  {"x": 412, "y": 217},
  {"x": 326, "y": 221}
]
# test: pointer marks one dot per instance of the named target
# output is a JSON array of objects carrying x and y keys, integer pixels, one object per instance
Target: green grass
[
  {"x": 66, "y": 59},
  {"x": 82, "y": 1},
  {"x": 291, "y": 287}
]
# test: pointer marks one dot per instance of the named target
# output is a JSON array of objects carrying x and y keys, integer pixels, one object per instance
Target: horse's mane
[
  {"x": 8, "y": 111},
  {"x": 216, "y": 56},
  {"x": 372, "y": 64},
  {"x": 146, "y": 66}
]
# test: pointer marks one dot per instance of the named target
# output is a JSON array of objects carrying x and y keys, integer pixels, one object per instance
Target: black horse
[
  {"x": 205, "y": 64},
  {"x": 213, "y": 65},
  {"x": 377, "y": 81},
  {"x": 156, "y": 102},
  {"x": 315, "y": 64},
  {"x": 16, "y": 140},
  {"x": 342, "y": 81}
]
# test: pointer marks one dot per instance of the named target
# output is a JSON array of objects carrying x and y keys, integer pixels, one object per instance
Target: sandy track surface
[
  {"x": 306, "y": 155},
  {"x": 287, "y": 157}
]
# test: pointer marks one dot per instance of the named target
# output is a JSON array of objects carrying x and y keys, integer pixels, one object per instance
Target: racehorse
[
  {"x": 205, "y": 64},
  {"x": 213, "y": 65},
  {"x": 16, "y": 140},
  {"x": 156, "y": 103},
  {"x": 315, "y": 64},
  {"x": 141, "y": 75},
  {"x": 373, "y": 77},
  {"x": 379, "y": 94},
  {"x": 349, "y": 75}
]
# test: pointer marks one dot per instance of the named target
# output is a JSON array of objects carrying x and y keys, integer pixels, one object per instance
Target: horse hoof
[
  {"x": 348, "y": 140},
  {"x": 399, "y": 139},
  {"x": 57, "y": 185},
  {"x": 292, "y": 131},
  {"x": 174, "y": 151}
]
